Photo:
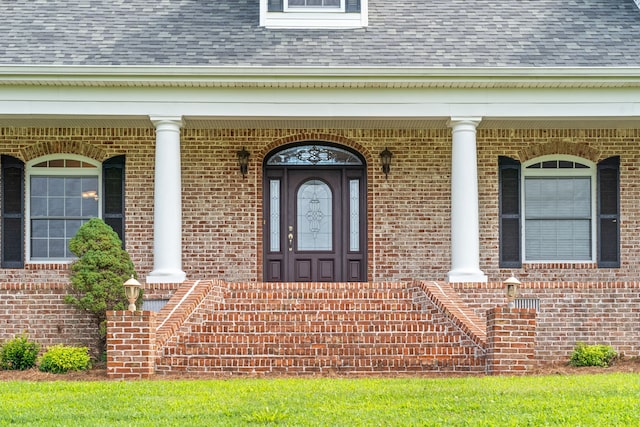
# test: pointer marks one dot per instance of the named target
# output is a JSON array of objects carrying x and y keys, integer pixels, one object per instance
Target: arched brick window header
[
  {"x": 45, "y": 148},
  {"x": 559, "y": 147}
]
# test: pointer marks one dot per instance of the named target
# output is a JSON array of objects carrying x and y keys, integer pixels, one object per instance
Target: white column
[
  {"x": 167, "y": 203},
  {"x": 465, "y": 227}
]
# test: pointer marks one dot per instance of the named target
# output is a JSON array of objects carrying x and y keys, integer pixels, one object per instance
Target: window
[
  {"x": 559, "y": 209},
  {"x": 324, "y": 5},
  {"x": 313, "y": 13},
  {"x": 63, "y": 194}
]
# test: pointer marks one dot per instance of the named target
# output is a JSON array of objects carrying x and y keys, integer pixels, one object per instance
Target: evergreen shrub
[
  {"x": 97, "y": 276},
  {"x": 19, "y": 353}
]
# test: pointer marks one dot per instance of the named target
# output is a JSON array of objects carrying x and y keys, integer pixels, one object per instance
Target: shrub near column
[{"x": 97, "y": 276}]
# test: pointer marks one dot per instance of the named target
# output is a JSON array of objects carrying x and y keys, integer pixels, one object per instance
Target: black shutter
[
  {"x": 275, "y": 6},
  {"x": 509, "y": 211},
  {"x": 352, "y": 6},
  {"x": 12, "y": 212},
  {"x": 113, "y": 194},
  {"x": 609, "y": 213}
]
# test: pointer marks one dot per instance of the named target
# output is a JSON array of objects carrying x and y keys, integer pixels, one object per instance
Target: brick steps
[{"x": 317, "y": 328}]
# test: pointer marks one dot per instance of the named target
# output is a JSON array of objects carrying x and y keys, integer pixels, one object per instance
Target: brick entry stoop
[{"x": 320, "y": 328}]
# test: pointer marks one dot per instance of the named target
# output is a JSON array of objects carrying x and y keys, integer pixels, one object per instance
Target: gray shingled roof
[{"x": 423, "y": 33}]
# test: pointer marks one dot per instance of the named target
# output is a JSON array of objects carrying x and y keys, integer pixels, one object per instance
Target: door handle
[{"x": 290, "y": 237}]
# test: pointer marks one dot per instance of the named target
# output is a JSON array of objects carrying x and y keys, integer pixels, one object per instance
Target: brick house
[{"x": 513, "y": 130}]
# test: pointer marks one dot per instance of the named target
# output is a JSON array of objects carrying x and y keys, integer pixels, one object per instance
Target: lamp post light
[
  {"x": 511, "y": 288},
  {"x": 132, "y": 291}
]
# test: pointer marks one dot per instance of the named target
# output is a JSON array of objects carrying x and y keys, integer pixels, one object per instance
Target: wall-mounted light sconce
[
  {"x": 243, "y": 161},
  {"x": 132, "y": 291},
  {"x": 385, "y": 159},
  {"x": 511, "y": 288}
]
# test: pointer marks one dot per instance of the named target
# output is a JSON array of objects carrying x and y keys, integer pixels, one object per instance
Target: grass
[{"x": 576, "y": 400}]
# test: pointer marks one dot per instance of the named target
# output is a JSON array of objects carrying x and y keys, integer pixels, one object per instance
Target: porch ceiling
[{"x": 69, "y": 121}]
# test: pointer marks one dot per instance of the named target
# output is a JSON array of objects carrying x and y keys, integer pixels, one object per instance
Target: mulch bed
[{"x": 99, "y": 373}]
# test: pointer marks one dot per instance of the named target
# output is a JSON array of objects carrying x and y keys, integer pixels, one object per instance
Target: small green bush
[
  {"x": 592, "y": 355},
  {"x": 60, "y": 359},
  {"x": 99, "y": 272},
  {"x": 19, "y": 353}
]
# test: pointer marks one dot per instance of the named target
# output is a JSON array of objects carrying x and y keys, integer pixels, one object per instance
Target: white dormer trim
[
  {"x": 314, "y": 18},
  {"x": 637, "y": 3}
]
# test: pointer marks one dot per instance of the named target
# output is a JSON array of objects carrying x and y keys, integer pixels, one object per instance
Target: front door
[{"x": 315, "y": 220}]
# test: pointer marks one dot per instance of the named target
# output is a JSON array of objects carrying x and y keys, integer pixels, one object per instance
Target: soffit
[{"x": 306, "y": 123}]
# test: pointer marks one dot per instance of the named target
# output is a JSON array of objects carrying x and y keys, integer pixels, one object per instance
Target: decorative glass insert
[
  {"x": 558, "y": 218},
  {"x": 59, "y": 205},
  {"x": 274, "y": 218},
  {"x": 313, "y": 155},
  {"x": 314, "y": 203},
  {"x": 354, "y": 215}
]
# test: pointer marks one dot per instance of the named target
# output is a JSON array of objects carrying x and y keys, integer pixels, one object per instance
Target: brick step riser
[
  {"x": 319, "y": 328},
  {"x": 313, "y": 316},
  {"x": 319, "y": 295},
  {"x": 314, "y": 305},
  {"x": 313, "y": 365},
  {"x": 365, "y": 346}
]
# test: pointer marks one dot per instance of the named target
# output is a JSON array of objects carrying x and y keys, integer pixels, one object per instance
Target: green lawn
[{"x": 577, "y": 400}]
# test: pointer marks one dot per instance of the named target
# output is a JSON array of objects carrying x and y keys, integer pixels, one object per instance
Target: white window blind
[{"x": 558, "y": 219}]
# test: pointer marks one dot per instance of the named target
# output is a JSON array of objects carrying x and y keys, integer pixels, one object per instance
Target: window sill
[
  {"x": 584, "y": 265},
  {"x": 54, "y": 265},
  {"x": 313, "y": 20}
]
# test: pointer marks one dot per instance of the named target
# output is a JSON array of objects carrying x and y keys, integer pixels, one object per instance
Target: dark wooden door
[
  {"x": 315, "y": 224},
  {"x": 314, "y": 227}
]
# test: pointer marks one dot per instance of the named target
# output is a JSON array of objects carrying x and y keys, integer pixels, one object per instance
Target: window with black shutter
[
  {"x": 548, "y": 212},
  {"x": 509, "y": 206},
  {"x": 609, "y": 213},
  {"x": 113, "y": 174},
  {"x": 12, "y": 212}
]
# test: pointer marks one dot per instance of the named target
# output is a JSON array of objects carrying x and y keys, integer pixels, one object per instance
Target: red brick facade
[
  {"x": 408, "y": 223},
  {"x": 409, "y": 213}
]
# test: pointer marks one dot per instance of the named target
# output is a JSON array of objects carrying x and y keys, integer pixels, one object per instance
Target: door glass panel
[
  {"x": 354, "y": 215},
  {"x": 274, "y": 220},
  {"x": 314, "y": 215}
]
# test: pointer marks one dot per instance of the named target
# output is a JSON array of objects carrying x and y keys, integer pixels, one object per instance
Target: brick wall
[
  {"x": 511, "y": 341},
  {"x": 131, "y": 344},
  {"x": 595, "y": 313},
  {"x": 39, "y": 310},
  {"x": 408, "y": 215}
]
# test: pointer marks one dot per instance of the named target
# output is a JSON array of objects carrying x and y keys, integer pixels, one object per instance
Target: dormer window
[
  {"x": 313, "y": 13},
  {"x": 314, "y": 4}
]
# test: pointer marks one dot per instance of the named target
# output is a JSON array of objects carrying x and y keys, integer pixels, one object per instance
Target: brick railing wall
[
  {"x": 595, "y": 313},
  {"x": 451, "y": 305},
  {"x": 511, "y": 341},
  {"x": 131, "y": 344}
]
